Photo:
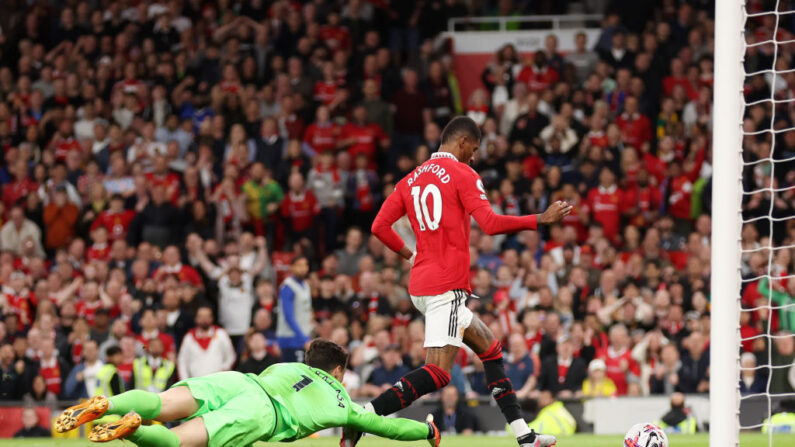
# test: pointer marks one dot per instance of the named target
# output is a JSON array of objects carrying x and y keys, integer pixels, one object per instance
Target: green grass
[{"x": 701, "y": 440}]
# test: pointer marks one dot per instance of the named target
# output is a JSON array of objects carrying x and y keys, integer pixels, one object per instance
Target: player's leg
[
  {"x": 191, "y": 434},
  {"x": 147, "y": 405},
  {"x": 446, "y": 317},
  {"x": 434, "y": 375},
  {"x": 480, "y": 339},
  {"x": 129, "y": 428},
  {"x": 170, "y": 405}
]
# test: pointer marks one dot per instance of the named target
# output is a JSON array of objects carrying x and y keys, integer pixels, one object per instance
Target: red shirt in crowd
[
  {"x": 183, "y": 273},
  {"x": 21, "y": 305},
  {"x": 53, "y": 376},
  {"x": 322, "y": 137},
  {"x": 301, "y": 209},
  {"x": 669, "y": 82},
  {"x": 18, "y": 189},
  {"x": 635, "y": 128},
  {"x": 65, "y": 145},
  {"x": 679, "y": 199},
  {"x": 88, "y": 310},
  {"x": 325, "y": 91},
  {"x": 538, "y": 79},
  {"x": 125, "y": 371},
  {"x": 169, "y": 180},
  {"x": 98, "y": 252},
  {"x": 605, "y": 206},
  {"x": 335, "y": 37},
  {"x": 619, "y": 365},
  {"x": 647, "y": 199},
  {"x": 168, "y": 341},
  {"x": 366, "y": 137},
  {"x": 117, "y": 224}
]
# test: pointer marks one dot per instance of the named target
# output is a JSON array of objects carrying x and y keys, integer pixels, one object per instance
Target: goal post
[{"x": 726, "y": 223}]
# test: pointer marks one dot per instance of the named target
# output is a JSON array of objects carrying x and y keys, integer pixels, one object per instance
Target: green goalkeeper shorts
[{"x": 236, "y": 410}]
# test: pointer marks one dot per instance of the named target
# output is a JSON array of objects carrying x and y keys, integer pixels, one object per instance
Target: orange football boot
[{"x": 77, "y": 415}]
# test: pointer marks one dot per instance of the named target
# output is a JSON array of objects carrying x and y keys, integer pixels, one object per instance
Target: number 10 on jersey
[{"x": 424, "y": 216}]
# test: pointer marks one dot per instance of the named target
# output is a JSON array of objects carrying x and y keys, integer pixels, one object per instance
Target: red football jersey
[
  {"x": 438, "y": 197},
  {"x": 116, "y": 223}
]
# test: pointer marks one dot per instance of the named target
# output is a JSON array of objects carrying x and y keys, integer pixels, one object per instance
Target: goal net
[{"x": 752, "y": 380}]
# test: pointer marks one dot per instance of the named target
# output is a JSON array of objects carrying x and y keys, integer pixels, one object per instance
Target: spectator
[
  {"x": 117, "y": 331},
  {"x": 751, "y": 381},
  {"x": 39, "y": 393},
  {"x": 693, "y": 374},
  {"x": 679, "y": 419},
  {"x": 295, "y": 312},
  {"x": 154, "y": 372},
  {"x": 206, "y": 348},
  {"x": 783, "y": 419},
  {"x": 235, "y": 290},
  {"x": 52, "y": 367},
  {"x": 563, "y": 374},
  {"x": 149, "y": 331},
  {"x": 10, "y": 374},
  {"x": 369, "y": 302},
  {"x": 454, "y": 417},
  {"x": 263, "y": 196},
  {"x": 553, "y": 417},
  {"x": 598, "y": 384},
  {"x": 351, "y": 254},
  {"x": 520, "y": 368},
  {"x": 581, "y": 58},
  {"x": 411, "y": 114},
  {"x": 30, "y": 426},
  {"x": 783, "y": 354},
  {"x": 83, "y": 378},
  {"x": 17, "y": 230},
  {"x": 154, "y": 221},
  {"x": 257, "y": 359},
  {"x": 327, "y": 183},
  {"x": 665, "y": 377},
  {"x": 388, "y": 372},
  {"x": 109, "y": 379},
  {"x": 621, "y": 367},
  {"x": 300, "y": 208},
  {"x": 178, "y": 322}
]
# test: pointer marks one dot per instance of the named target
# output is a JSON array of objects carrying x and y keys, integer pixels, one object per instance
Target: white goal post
[{"x": 726, "y": 223}]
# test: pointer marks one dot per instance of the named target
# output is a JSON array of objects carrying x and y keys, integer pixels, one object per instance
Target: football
[{"x": 645, "y": 435}]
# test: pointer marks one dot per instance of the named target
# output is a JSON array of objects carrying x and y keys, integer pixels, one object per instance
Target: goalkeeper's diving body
[{"x": 287, "y": 401}]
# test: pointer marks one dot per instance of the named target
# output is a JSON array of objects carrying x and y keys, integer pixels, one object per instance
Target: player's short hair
[
  {"x": 325, "y": 355},
  {"x": 458, "y": 127}
]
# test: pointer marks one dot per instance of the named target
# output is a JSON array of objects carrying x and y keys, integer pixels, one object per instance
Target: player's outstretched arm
[
  {"x": 492, "y": 223},
  {"x": 392, "y": 428}
]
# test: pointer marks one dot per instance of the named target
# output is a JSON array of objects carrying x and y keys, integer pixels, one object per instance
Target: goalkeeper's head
[{"x": 328, "y": 356}]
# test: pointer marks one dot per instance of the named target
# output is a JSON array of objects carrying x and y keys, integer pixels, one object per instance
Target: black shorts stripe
[
  {"x": 454, "y": 307},
  {"x": 450, "y": 318}
]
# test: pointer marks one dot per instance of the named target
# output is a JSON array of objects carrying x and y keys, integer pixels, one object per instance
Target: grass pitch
[{"x": 701, "y": 440}]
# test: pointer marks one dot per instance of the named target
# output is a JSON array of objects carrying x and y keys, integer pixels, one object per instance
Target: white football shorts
[{"x": 446, "y": 317}]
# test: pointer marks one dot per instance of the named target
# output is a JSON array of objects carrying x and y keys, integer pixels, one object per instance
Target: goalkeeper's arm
[{"x": 393, "y": 428}]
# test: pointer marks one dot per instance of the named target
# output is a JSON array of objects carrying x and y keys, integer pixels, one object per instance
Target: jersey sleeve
[
  {"x": 392, "y": 428},
  {"x": 471, "y": 191},
  {"x": 392, "y": 210}
]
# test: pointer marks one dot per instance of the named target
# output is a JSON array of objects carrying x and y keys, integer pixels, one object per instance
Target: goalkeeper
[{"x": 287, "y": 401}]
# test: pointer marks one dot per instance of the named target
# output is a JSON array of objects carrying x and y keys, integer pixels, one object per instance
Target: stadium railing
[{"x": 544, "y": 22}]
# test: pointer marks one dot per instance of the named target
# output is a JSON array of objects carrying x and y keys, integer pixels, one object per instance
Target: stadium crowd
[{"x": 188, "y": 187}]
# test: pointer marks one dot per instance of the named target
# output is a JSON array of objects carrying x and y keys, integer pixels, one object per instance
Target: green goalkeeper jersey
[{"x": 308, "y": 400}]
